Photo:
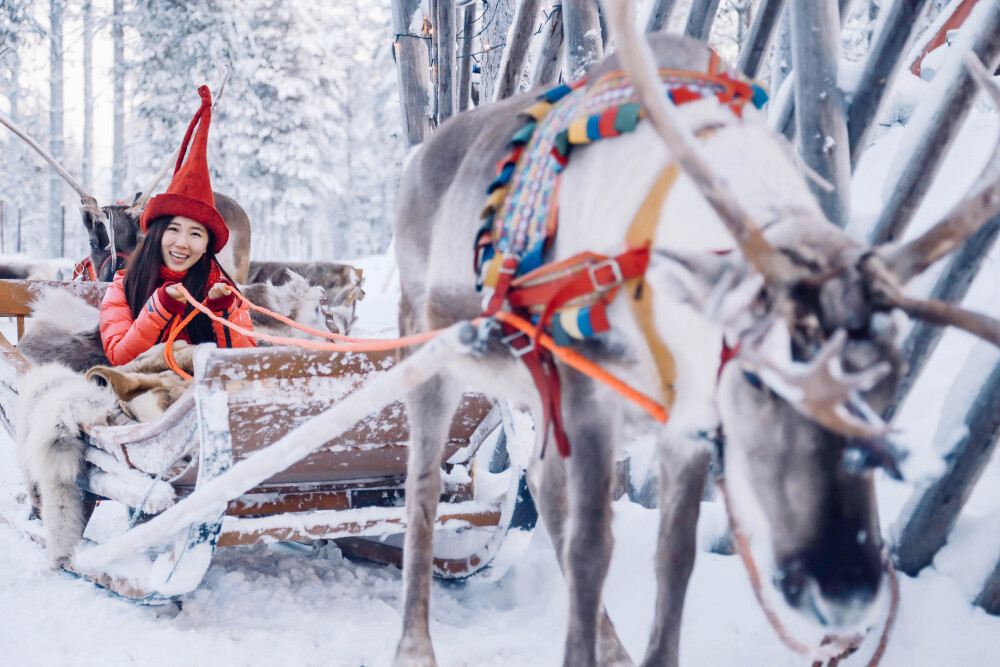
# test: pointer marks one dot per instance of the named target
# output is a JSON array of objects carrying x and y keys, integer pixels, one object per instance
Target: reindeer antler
[
  {"x": 639, "y": 65},
  {"x": 893, "y": 266},
  {"x": 89, "y": 203},
  {"x": 965, "y": 219}
]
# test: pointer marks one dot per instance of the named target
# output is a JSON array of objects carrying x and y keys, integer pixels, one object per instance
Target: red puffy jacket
[{"x": 124, "y": 338}]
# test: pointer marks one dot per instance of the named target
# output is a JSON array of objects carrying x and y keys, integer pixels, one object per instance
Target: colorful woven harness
[{"x": 569, "y": 299}]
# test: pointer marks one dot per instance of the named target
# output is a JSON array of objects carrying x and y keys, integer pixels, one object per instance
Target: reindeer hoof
[{"x": 414, "y": 653}]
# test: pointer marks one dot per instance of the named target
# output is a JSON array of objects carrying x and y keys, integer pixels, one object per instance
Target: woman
[{"x": 184, "y": 232}]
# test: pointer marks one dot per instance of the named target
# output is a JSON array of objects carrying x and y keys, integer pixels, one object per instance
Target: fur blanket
[{"x": 55, "y": 405}]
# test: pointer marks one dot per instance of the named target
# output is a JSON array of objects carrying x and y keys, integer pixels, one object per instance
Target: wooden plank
[
  {"x": 306, "y": 527},
  {"x": 16, "y": 296}
]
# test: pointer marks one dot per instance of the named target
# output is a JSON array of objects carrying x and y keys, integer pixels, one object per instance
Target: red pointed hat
[{"x": 190, "y": 191}]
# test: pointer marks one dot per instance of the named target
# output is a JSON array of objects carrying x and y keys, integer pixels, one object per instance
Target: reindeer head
[
  {"x": 811, "y": 311},
  {"x": 114, "y": 233}
]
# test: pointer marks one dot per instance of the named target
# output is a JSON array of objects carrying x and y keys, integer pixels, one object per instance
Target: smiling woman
[{"x": 183, "y": 232}]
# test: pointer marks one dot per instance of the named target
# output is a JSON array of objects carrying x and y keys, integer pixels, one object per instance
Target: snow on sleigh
[{"x": 252, "y": 452}]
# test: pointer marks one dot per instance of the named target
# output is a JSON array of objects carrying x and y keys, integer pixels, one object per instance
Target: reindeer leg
[
  {"x": 549, "y": 493},
  {"x": 588, "y": 542},
  {"x": 683, "y": 469},
  {"x": 430, "y": 408}
]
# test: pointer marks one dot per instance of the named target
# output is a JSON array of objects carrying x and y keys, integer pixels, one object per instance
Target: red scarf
[{"x": 169, "y": 276}]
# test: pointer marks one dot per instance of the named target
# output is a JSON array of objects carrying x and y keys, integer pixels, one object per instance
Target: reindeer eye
[{"x": 753, "y": 379}]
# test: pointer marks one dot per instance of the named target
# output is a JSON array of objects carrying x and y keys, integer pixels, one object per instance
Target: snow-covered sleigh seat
[{"x": 350, "y": 490}]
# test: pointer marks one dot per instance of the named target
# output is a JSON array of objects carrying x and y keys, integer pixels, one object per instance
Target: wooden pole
[
  {"x": 881, "y": 69},
  {"x": 445, "y": 32},
  {"x": 582, "y": 36},
  {"x": 940, "y": 123},
  {"x": 547, "y": 66},
  {"x": 62, "y": 231},
  {"x": 763, "y": 26},
  {"x": 3, "y": 248},
  {"x": 700, "y": 18},
  {"x": 413, "y": 72},
  {"x": 464, "y": 87},
  {"x": 516, "y": 51},
  {"x": 659, "y": 15},
  {"x": 933, "y": 508},
  {"x": 822, "y": 131}
]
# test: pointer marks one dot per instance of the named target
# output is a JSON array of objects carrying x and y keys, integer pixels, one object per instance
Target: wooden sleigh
[{"x": 349, "y": 488}]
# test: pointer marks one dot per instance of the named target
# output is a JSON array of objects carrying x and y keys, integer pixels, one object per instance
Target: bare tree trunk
[
  {"x": 752, "y": 53},
  {"x": 942, "y": 124},
  {"x": 659, "y": 15},
  {"x": 445, "y": 32},
  {"x": 582, "y": 34},
  {"x": 933, "y": 509},
  {"x": 547, "y": 66},
  {"x": 118, "y": 171},
  {"x": 86, "y": 168},
  {"x": 497, "y": 18},
  {"x": 822, "y": 130},
  {"x": 514, "y": 56},
  {"x": 880, "y": 70},
  {"x": 465, "y": 58},
  {"x": 56, "y": 184},
  {"x": 952, "y": 285},
  {"x": 412, "y": 70},
  {"x": 700, "y": 18}
]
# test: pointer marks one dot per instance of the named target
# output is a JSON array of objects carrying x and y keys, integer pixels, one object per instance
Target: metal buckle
[
  {"x": 616, "y": 270},
  {"x": 518, "y": 351}
]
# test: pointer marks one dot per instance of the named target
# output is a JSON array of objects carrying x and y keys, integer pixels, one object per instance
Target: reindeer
[
  {"x": 807, "y": 314},
  {"x": 114, "y": 230}
]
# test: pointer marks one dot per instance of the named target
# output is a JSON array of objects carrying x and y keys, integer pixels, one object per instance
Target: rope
[
  {"x": 585, "y": 366},
  {"x": 566, "y": 355},
  {"x": 845, "y": 645}
]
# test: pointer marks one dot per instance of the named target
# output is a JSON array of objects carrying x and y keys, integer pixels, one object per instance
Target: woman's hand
[
  {"x": 218, "y": 291},
  {"x": 175, "y": 293}
]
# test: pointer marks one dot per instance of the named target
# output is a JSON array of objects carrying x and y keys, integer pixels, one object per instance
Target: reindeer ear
[{"x": 87, "y": 221}]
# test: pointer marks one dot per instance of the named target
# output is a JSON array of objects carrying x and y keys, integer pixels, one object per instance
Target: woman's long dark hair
[{"x": 142, "y": 277}]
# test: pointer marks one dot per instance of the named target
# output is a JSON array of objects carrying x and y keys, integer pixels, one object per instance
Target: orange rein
[{"x": 566, "y": 355}]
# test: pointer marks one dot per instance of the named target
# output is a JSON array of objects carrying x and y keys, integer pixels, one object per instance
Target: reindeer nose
[{"x": 834, "y": 591}]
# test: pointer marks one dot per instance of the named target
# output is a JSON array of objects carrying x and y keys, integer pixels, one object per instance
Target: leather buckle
[
  {"x": 616, "y": 272},
  {"x": 518, "y": 351}
]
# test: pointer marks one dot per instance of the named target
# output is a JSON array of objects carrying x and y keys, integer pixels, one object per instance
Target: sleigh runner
[{"x": 350, "y": 489}]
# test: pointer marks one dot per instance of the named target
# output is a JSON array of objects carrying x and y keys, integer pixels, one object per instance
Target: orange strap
[
  {"x": 575, "y": 360},
  {"x": 359, "y": 344}
]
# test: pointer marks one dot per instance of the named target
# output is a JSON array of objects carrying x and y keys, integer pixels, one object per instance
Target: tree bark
[
  {"x": 118, "y": 170},
  {"x": 56, "y": 184},
  {"x": 464, "y": 88},
  {"x": 659, "y": 15},
  {"x": 86, "y": 168},
  {"x": 942, "y": 123},
  {"x": 700, "y": 18},
  {"x": 496, "y": 24},
  {"x": 933, "y": 509},
  {"x": 412, "y": 70},
  {"x": 512, "y": 65},
  {"x": 822, "y": 131},
  {"x": 752, "y": 53},
  {"x": 881, "y": 69},
  {"x": 582, "y": 35},
  {"x": 445, "y": 32},
  {"x": 547, "y": 67}
]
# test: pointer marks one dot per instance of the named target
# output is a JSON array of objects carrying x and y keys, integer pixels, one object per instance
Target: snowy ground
[{"x": 279, "y": 605}]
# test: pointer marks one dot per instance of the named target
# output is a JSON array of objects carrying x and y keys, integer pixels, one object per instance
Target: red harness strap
[{"x": 603, "y": 276}]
